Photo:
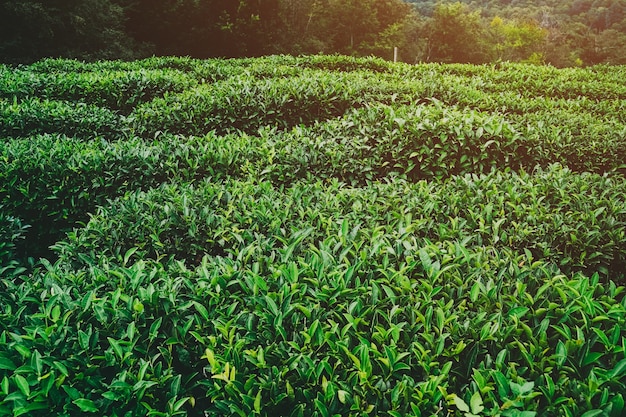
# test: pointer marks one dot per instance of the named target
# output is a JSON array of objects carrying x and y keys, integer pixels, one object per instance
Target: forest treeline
[{"x": 561, "y": 33}]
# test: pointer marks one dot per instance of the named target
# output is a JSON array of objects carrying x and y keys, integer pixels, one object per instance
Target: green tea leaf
[
  {"x": 618, "y": 369},
  {"x": 257, "y": 402},
  {"x": 476, "y": 403},
  {"x": 460, "y": 404},
  {"x": 518, "y": 312},
  {"x": 86, "y": 405},
  {"x": 593, "y": 413},
  {"x": 22, "y": 384},
  {"x": 7, "y": 364},
  {"x": 4, "y": 385}
]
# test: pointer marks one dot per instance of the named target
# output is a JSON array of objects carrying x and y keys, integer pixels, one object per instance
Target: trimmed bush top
[{"x": 311, "y": 236}]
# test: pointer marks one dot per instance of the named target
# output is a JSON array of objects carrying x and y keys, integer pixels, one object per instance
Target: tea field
[{"x": 313, "y": 236}]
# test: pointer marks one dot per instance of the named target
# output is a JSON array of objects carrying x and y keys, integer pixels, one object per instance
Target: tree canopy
[{"x": 581, "y": 32}]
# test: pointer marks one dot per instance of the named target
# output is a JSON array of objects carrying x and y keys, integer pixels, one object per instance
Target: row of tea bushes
[
  {"x": 592, "y": 83},
  {"x": 53, "y": 182},
  {"x": 248, "y": 103},
  {"x": 584, "y": 142},
  {"x": 65, "y": 66},
  {"x": 421, "y": 140},
  {"x": 219, "y": 68},
  {"x": 426, "y": 141},
  {"x": 437, "y": 141},
  {"x": 116, "y": 90},
  {"x": 515, "y": 104},
  {"x": 32, "y": 116},
  {"x": 596, "y": 83},
  {"x": 575, "y": 221},
  {"x": 323, "y": 300}
]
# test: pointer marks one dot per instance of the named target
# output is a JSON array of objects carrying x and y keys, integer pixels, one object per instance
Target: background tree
[
  {"x": 204, "y": 28},
  {"x": 566, "y": 43},
  {"x": 348, "y": 23},
  {"x": 517, "y": 41},
  {"x": 456, "y": 34},
  {"x": 355, "y": 27},
  {"x": 398, "y": 26},
  {"x": 404, "y": 35},
  {"x": 581, "y": 32},
  {"x": 88, "y": 29},
  {"x": 608, "y": 46}
]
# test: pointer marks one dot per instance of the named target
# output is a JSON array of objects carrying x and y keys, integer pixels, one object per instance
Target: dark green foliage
[
  {"x": 247, "y": 103},
  {"x": 11, "y": 231},
  {"x": 564, "y": 34},
  {"x": 53, "y": 182},
  {"x": 311, "y": 236},
  {"x": 86, "y": 29},
  {"x": 436, "y": 141},
  {"x": 147, "y": 64},
  {"x": 546, "y": 215},
  {"x": 354, "y": 314},
  {"x": 422, "y": 141},
  {"x": 344, "y": 63},
  {"x": 32, "y": 116},
  {"x": 116, "y": 89}
]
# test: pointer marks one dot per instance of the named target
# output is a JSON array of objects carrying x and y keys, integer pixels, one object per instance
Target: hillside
[
  {"x": 563, "y": 34},
  {"x": 577, "y": 32}
]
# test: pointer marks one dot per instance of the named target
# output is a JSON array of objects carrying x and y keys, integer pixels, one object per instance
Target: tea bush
[
  {"x": 311, "y": 236},
  {"x": 53, "y": 182},
  {"x": 59, "y": 65},
  {"x": 358, "y": 321},
  {"x": 116, "y": 90},
  {"x": 577, "y": 222},
  {"x": 432, "y": 140},
  {"x": 33, "y": 116},
  {"x": 247, "y": 103},
  {"x": 582, "y": 141},
  {"x": 422, "y": 141},
  {"x": 598, "y": 83}
]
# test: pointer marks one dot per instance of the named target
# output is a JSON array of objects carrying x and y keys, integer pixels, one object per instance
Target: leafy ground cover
[{"x": 311, "y": 236}]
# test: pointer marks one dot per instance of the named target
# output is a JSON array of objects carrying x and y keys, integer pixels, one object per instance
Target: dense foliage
[
  {"x": 311, "y": 236},
  {"x": 562, "y": 33}
]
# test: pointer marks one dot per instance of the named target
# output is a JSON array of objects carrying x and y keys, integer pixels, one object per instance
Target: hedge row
[
  {"x": 32, "y": 116},
  {"x": 324, "y": 300},
  {"x": 248, "y": 103},
  {"x": 434, "y": 140},
  {"x": 116, "y": 90},
  {"x": 52, "y": 182},
  {"x": 575, "y": 221}
]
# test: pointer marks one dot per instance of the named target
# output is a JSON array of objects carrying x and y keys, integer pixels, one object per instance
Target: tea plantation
[{"x": 314, "y": 236}]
